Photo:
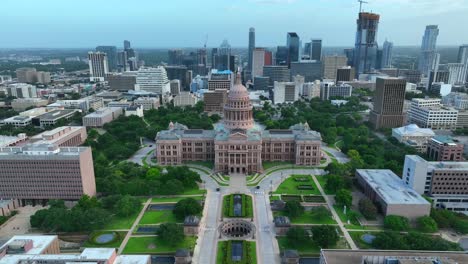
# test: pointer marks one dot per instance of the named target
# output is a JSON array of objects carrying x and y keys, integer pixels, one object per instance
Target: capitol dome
[{"x": 238, "y": 111}]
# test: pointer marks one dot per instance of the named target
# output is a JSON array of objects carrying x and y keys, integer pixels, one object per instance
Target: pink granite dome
[
  {"x": 238, "y": 91},
  {"x": 238, "y": 111}
]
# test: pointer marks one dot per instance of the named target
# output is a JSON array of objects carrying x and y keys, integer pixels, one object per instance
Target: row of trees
[
  {"x": 87, "y": 215},
  {"x": 324, "y": 236},
  {"x": 412, "y": 241}
]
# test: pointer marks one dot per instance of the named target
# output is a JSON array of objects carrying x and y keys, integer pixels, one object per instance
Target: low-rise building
[
  {"x": 9, "y": 141},
  {"x": 329, "y": 89},
  {"x": 66, "y": 136},
  {"x": 413, "y": 136},
  {"x": 7, "y": 207},
  {"x": 286, "y": 92},
  {"x": 429, "y": 113},
  {"x": 457, "y": 100},
  {"x": 81, "y": 104},
  {"x": 215, "y": 100},
  {"x": 46, "y": 249},
  {"x": 148, "y": 103},
  {"x": 24, "y": 103},
  {"x": 394, "y": 197},
  {"x": 282, "y": 225},
  {"x": 175, "y": 87},
  {"x": 191, "y": 225},
  {"x": 51, "y": 118},
  {"x": 136, "y": 110},
  {"x": 462, "y": 119},
  {"x": 102, "y": 116},
  {"x": 124, "y": 104},
  {"x": 37, "y": 173},
  {"x": 21, "y": 90},
  {"x": 311, "y": 89},
  {"x": 185, "y": 99},
  {"x": 122, "y": 81},
  {"x": 444, "y": 148},
  {"x": 17, "y": 121}
]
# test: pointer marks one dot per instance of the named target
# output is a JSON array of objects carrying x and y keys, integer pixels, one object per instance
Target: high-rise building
[
  {"x": 331, "y": 64},
  {"x": 127, "y": 45},
  {"x": 98, "y": 67},
  {"x": 26, "y": 75},
  {"x": 251, "y": 47},
  {"x": 277, "y": 74},
  {"x": 388, "y": 103},
  {"x": 220, "y": 80},
  {"x": 111, "y": 52},
  {"x": 387, "y": 54},
  {"x": 221, "y": 57},
  {"x": 281, "y": 56},
  {"x": 329, "y": 90},
  {"x": 365, "y": 50},
  {"x": 349, "y": 53},
  {"x": 428, "y": 49},
  {"x": 175, "y": 56},
  {"x": 310, "y": 69},
  {"x": 268, "y": 57},
  {"x": 316, "y": 49},
  {"x": 258, "y": 61},
  {"x": 122, "y": 81},
  {"x": 21, "y": 90},
  {"x": 153, "y": 80},
  {"x": 292, "y": 42},
  {"x": 288, "y": 92},
  {"x": 345, "y": 74},
  {"x": 122, "y": 61},
  {"x": 457, "y": 73},
  {"x": 463, "y": 58},
  {"x": 202, "y": 57}
]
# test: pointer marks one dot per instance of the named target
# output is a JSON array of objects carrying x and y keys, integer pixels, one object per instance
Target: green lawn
[
  {"x": 194, "y": 192},
  {"x": 290, "y": 186},
  {"x": 270, "y": 164},
  {"x": 228, "y": 206},
  {"x": 322, "y": 179},
  {"x": 118, "y": 223},
  {"x": 309, "y": 248},
  {"x": 158, "y": 217},
  {"x": 309, "y": 217},
  {"x": 224, "y": 253},
  {"x": 208, "y": 164},
  {"x": 173, "y": 199},
  {"x": 354, "y": 223},
  {"x": 148, "y": 245},
  {"x": 356, "y": 236},
  {"x": 113, "y": 244}
]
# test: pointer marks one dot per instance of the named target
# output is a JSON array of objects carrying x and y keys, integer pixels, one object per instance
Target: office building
[
  {"x": 134, "y": 110},
  {"x": 98, "y": 66},
  {"x": 153, "y": 80},
  {"x": 311, "y": 70},
  {"x": 175, "y": 56},
  {"x": 185, "y": 99},
  {"x": 122, "y": 61},
  {"x": 458, "y": 101},
  {"x": 180, "y": 73},
  {"x": 372, "y": 256},
  {"x": 428, "y": 49},
  {"x": 268, "y": 57},
  {"x": 439, "y": 76},
  {"x": 316, "y": 49},
  {"x": 457, "y": 73},
  {"x": 329, "y": 90},
  {"x": 174, "y": 87},
  {"x": 444, "y": 148},
  {"x": 238, "y": 145},
  {"x": 413, "y": 136},
  {"x": 222, "y": 58},
  {"x": 10, "y": 141},
  {"x": 102, "y": 116},
  {"x": 412, "y": 76},
  {"x": 251, "y": 47},
  {"x": 148, "y": 103},
  {"x": 287, "y": 92},
  {"x": 311, "y": 89},
  {"x": 293, "y": 44},
  {"x": 443, "y": 181},
  {"x": 258, "y": 62},
  {"x": 220, "y": 80},
  {"x": 40, "y": 172},
  {"x": 388, "y": 103},
  {"x": 331, "y": 64},
  {"x": 281, "y": 56},
  {"x": 215, "y": 100},
  {"x": 365, "y": 50},
  {"x": 111, "y": 54},
  {"x": 387, "y": 55},
  {"x": 122, "y": 81},
  {"x": 345, "y": 74},
  {"x": 277, "y": 74},
  {"x": 429, "y": 113},
  {"x": 24, "y": 103},
  {"x": 94, "y": 103},
  {"x": 392, "y": 195},
  {"x": 65, "y": 136},
  {"x": 17, "y": 121},
  {"x": 21, "y": 90},
  {"x": 463, "y": 58},
  {"x": 43, "y": 249},
  {"x": 26, "y": 75},
  {"x": 261, "y": 83}
]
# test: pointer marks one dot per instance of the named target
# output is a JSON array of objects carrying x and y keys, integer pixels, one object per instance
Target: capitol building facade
[{"x": 237, "y": 144}]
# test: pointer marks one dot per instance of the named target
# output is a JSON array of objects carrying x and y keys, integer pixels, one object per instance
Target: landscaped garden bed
[
  {"x": 105, "y": 239},
  {"x": 236, "y": 252},
  {"x": 313, "y": 199},
  {"x": 237, "y": 205},
  {"x": 289, "y": 198},
  {"x": 149, "y": 245},
  {"x": 298, "y": 185}
]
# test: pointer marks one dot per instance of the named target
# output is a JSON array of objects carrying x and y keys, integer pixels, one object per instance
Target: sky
[{"x": 187, "y": 23}]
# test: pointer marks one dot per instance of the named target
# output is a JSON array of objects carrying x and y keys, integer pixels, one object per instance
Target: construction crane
[
  {"x": 206, "y": 40},
  {"x": 360, "y": 5}
]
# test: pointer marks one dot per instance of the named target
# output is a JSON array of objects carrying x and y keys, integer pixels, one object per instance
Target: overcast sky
[{"x": 185, "y": 23}]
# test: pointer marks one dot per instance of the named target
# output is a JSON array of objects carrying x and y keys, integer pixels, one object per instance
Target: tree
[
  {"x": 127, "y": 205},
  {"x": 396, "y": 223},
  {"x": 389, "y": 240},
  {"x": 171, "y": 233},
  {"x": 320, "y": 212},
  {"x": 293, "y": 209},
  {"x": 344, "y": 197},
  {"x": 367, "y": 208},
  {"x": 297, "y": 236},
  {"x": 427, "y": 224},
  {"x": 334, "y": 183},
  {"x": 325, "y": 235},
  {"x": 153, "y": 174},
  {"x": 186, "y": 207}
]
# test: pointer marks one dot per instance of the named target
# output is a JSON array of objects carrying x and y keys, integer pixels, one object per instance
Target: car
[
  {"x": 217, "y": 189},
  {"x": 150, "y": 146},
  {"x": 258, "y": 187}
]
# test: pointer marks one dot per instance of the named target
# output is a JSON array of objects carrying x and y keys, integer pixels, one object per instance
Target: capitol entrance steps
[{"x": 237, "y": 182}]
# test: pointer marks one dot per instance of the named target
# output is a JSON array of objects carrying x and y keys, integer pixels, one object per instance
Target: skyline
[{"x": 34, "y": 24}]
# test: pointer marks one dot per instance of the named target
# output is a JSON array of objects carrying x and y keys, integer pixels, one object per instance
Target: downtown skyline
[{"x": 169, "y": 24}]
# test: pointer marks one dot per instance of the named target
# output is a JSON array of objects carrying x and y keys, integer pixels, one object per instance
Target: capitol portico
[{"x": 237, "y": 144}]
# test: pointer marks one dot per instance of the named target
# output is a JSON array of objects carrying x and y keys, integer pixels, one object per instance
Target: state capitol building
[{"x": 237, "y": 144}]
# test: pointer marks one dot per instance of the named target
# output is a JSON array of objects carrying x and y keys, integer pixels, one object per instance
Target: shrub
[
  {"x": 367, "y": 208},
  {"x": 293, "y": 209},
  {"x": 427, "y": 224},
  {"x": 396, "y": 223}
]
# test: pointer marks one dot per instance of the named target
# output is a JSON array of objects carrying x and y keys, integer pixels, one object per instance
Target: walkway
[
  {"x": 135, "y": 224},
  {"x": 336, "y": 216}
]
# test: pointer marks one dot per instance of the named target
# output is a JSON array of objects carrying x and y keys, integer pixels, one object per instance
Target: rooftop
[
  {"x": 390, "y": 187},
  {"x": 444, "y": 140},
  {"x": 33, "y": 151},
  {"x": 10, "y": 140},
  {"x": 413, "y": 130},
  {"x": 56, "y": 114},
  {"x": 40, "y": 243}
]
